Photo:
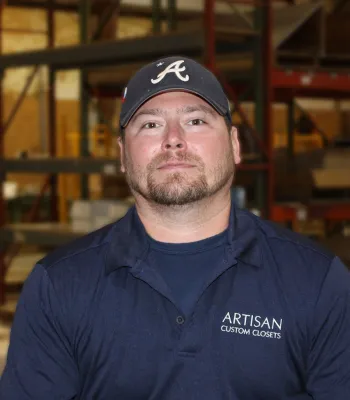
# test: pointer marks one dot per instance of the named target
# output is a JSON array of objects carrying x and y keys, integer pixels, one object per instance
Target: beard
[{"x": 179, "y": 188}]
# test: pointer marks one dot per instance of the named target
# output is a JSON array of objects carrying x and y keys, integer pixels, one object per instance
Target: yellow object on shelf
[
  {"x": 100, "y": 145},
  {"x": 301, "y": 142}
]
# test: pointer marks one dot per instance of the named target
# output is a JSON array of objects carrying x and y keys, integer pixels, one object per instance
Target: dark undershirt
[{"x": 185, "y": 267}]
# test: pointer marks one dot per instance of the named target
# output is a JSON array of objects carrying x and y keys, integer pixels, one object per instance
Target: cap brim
[{"x": 127, "y": 117}]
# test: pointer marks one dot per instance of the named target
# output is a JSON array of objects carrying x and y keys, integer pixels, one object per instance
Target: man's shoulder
[
  {"x": 277, "y": 235},
  {"x": 87, "y": 251},
  {"x": 287, "y": 246},
  {"x": 296, "y": 265},
  {"x": 78, "y": 249}
]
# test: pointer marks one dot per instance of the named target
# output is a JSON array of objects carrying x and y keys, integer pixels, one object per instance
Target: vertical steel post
[
  {"x": 268, "y": 102},
  {"x": 260, "y": 177},
  {"x": 52, "y": 110},
  {"x": 209, "y": 29},
  {"x": 263, "y": 102},
  {"x": 2, "y": 131},
  {"x": 2, "y": 173},
  {"x": 84, "y": 95},
  {"x": 156, "y": 16},
  {"x": 290, "y": 131},
  {"x": 172, "y": 20}
]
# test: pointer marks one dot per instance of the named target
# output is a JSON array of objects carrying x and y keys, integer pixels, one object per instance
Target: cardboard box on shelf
[
  {"x": 87, "y": 215},
  {"x": 80, "y": 209},
  {"x": 337, "y": 158},
  {"x": 331, "y": 178}
]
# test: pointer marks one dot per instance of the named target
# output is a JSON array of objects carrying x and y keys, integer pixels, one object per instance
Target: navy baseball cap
[{"x": 168, "y": 74}]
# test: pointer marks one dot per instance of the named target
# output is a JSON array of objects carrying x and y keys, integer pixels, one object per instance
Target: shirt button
[{"x": 180, "y": 320}]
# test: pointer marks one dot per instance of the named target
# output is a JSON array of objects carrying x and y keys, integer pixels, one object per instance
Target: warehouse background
[{"x": 286, "y": 68}]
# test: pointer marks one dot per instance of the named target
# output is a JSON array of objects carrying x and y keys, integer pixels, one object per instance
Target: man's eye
[
  {"x": 150, "y": 125},
  {"x": 197, "y": 122}
]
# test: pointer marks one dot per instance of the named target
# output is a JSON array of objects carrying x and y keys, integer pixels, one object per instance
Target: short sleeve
[
  {"x": 40, "y": 364},
  {"x": 329, "y": 355}
]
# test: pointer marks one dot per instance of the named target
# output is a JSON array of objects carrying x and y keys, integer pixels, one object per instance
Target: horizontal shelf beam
[
  {"x": 45, "y": 235},
  {"x": 108, "y": 52},
  {"x": 311, "y": 80},
  {"x": 107, "y": 166},
  {"x": 330, "y": 210},
  {"x": 42, "y": 4}
]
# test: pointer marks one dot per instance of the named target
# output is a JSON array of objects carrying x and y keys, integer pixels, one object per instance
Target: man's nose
[{"x": 174, "y": 139}]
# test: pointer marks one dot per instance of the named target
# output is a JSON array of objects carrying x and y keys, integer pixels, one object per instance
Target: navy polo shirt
[
  {"x": 95, "y": 321},
  {"x": 186, "y": 266}
]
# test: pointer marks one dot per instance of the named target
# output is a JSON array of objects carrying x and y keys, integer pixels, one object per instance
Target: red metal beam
[
  {"x": 283, "y": 213},
  {"x": 255, "y": 3},
  {"x": 2, "y": 133},
  {"x": 209, "y": 28},
  {"x": 286, "y": 95},
  {"x": 302, "y": 80},
  {"x": 267, "y": 57},
  {"x": 327, "y": 211},
  {"x": 2, "y": 177},
  {"x": 331, "y": 212}
]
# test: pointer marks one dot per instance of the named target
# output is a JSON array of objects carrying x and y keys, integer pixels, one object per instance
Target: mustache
[{"x": 179, "y": 156}]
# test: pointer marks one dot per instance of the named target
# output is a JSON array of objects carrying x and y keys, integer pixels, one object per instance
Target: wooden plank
[{"x": 332, "y": 178}]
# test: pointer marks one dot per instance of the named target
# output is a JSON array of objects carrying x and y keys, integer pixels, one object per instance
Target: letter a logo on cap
[{"x": 174, "y": 68}]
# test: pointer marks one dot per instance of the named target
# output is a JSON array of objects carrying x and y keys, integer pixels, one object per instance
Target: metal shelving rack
[
  {"x": 320, "y": 75},
  {"x": 262, "y": 82},
  {"x": 258, "y": 82},
  {"x": 200, "y": 44}
]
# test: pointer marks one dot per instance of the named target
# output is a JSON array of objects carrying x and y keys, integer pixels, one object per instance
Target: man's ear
[
  {"x": 122, "y": 154},
  {"x": 236, "y": 147}
]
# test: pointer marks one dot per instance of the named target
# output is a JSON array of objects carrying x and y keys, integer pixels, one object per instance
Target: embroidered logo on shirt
[{"x": 252, "y": 325}]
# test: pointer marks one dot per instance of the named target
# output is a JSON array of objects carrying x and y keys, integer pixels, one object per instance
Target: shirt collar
[
  {"x": 129, "y": 242},
  {"x": 244, "y": 237}
]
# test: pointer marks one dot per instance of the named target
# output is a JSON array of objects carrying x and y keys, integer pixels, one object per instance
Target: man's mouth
[{"x": 175, "y": 165}]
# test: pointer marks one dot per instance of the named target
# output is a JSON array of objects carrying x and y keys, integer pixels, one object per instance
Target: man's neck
[{"x": 185, "y": 224}]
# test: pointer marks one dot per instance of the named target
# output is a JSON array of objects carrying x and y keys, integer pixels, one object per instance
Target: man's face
[{"x": 177, "y": 150}]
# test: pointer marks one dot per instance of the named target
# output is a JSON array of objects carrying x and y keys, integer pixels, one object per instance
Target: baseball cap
[{"x": 168, "y": 74}]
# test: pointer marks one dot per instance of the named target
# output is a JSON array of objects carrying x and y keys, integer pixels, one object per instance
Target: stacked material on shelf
[
  {"x": 10, "y": 190},
  {"x": 335, "y": 171},
  {"x": 88, "y": 215}
]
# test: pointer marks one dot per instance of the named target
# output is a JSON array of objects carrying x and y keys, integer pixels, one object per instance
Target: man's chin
[
  {"x": 174, "y": 201},
  {"x": 177, "y": 195}
]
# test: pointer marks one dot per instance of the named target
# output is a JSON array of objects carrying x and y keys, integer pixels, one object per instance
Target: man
[{"x": 186, "y": 297}]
